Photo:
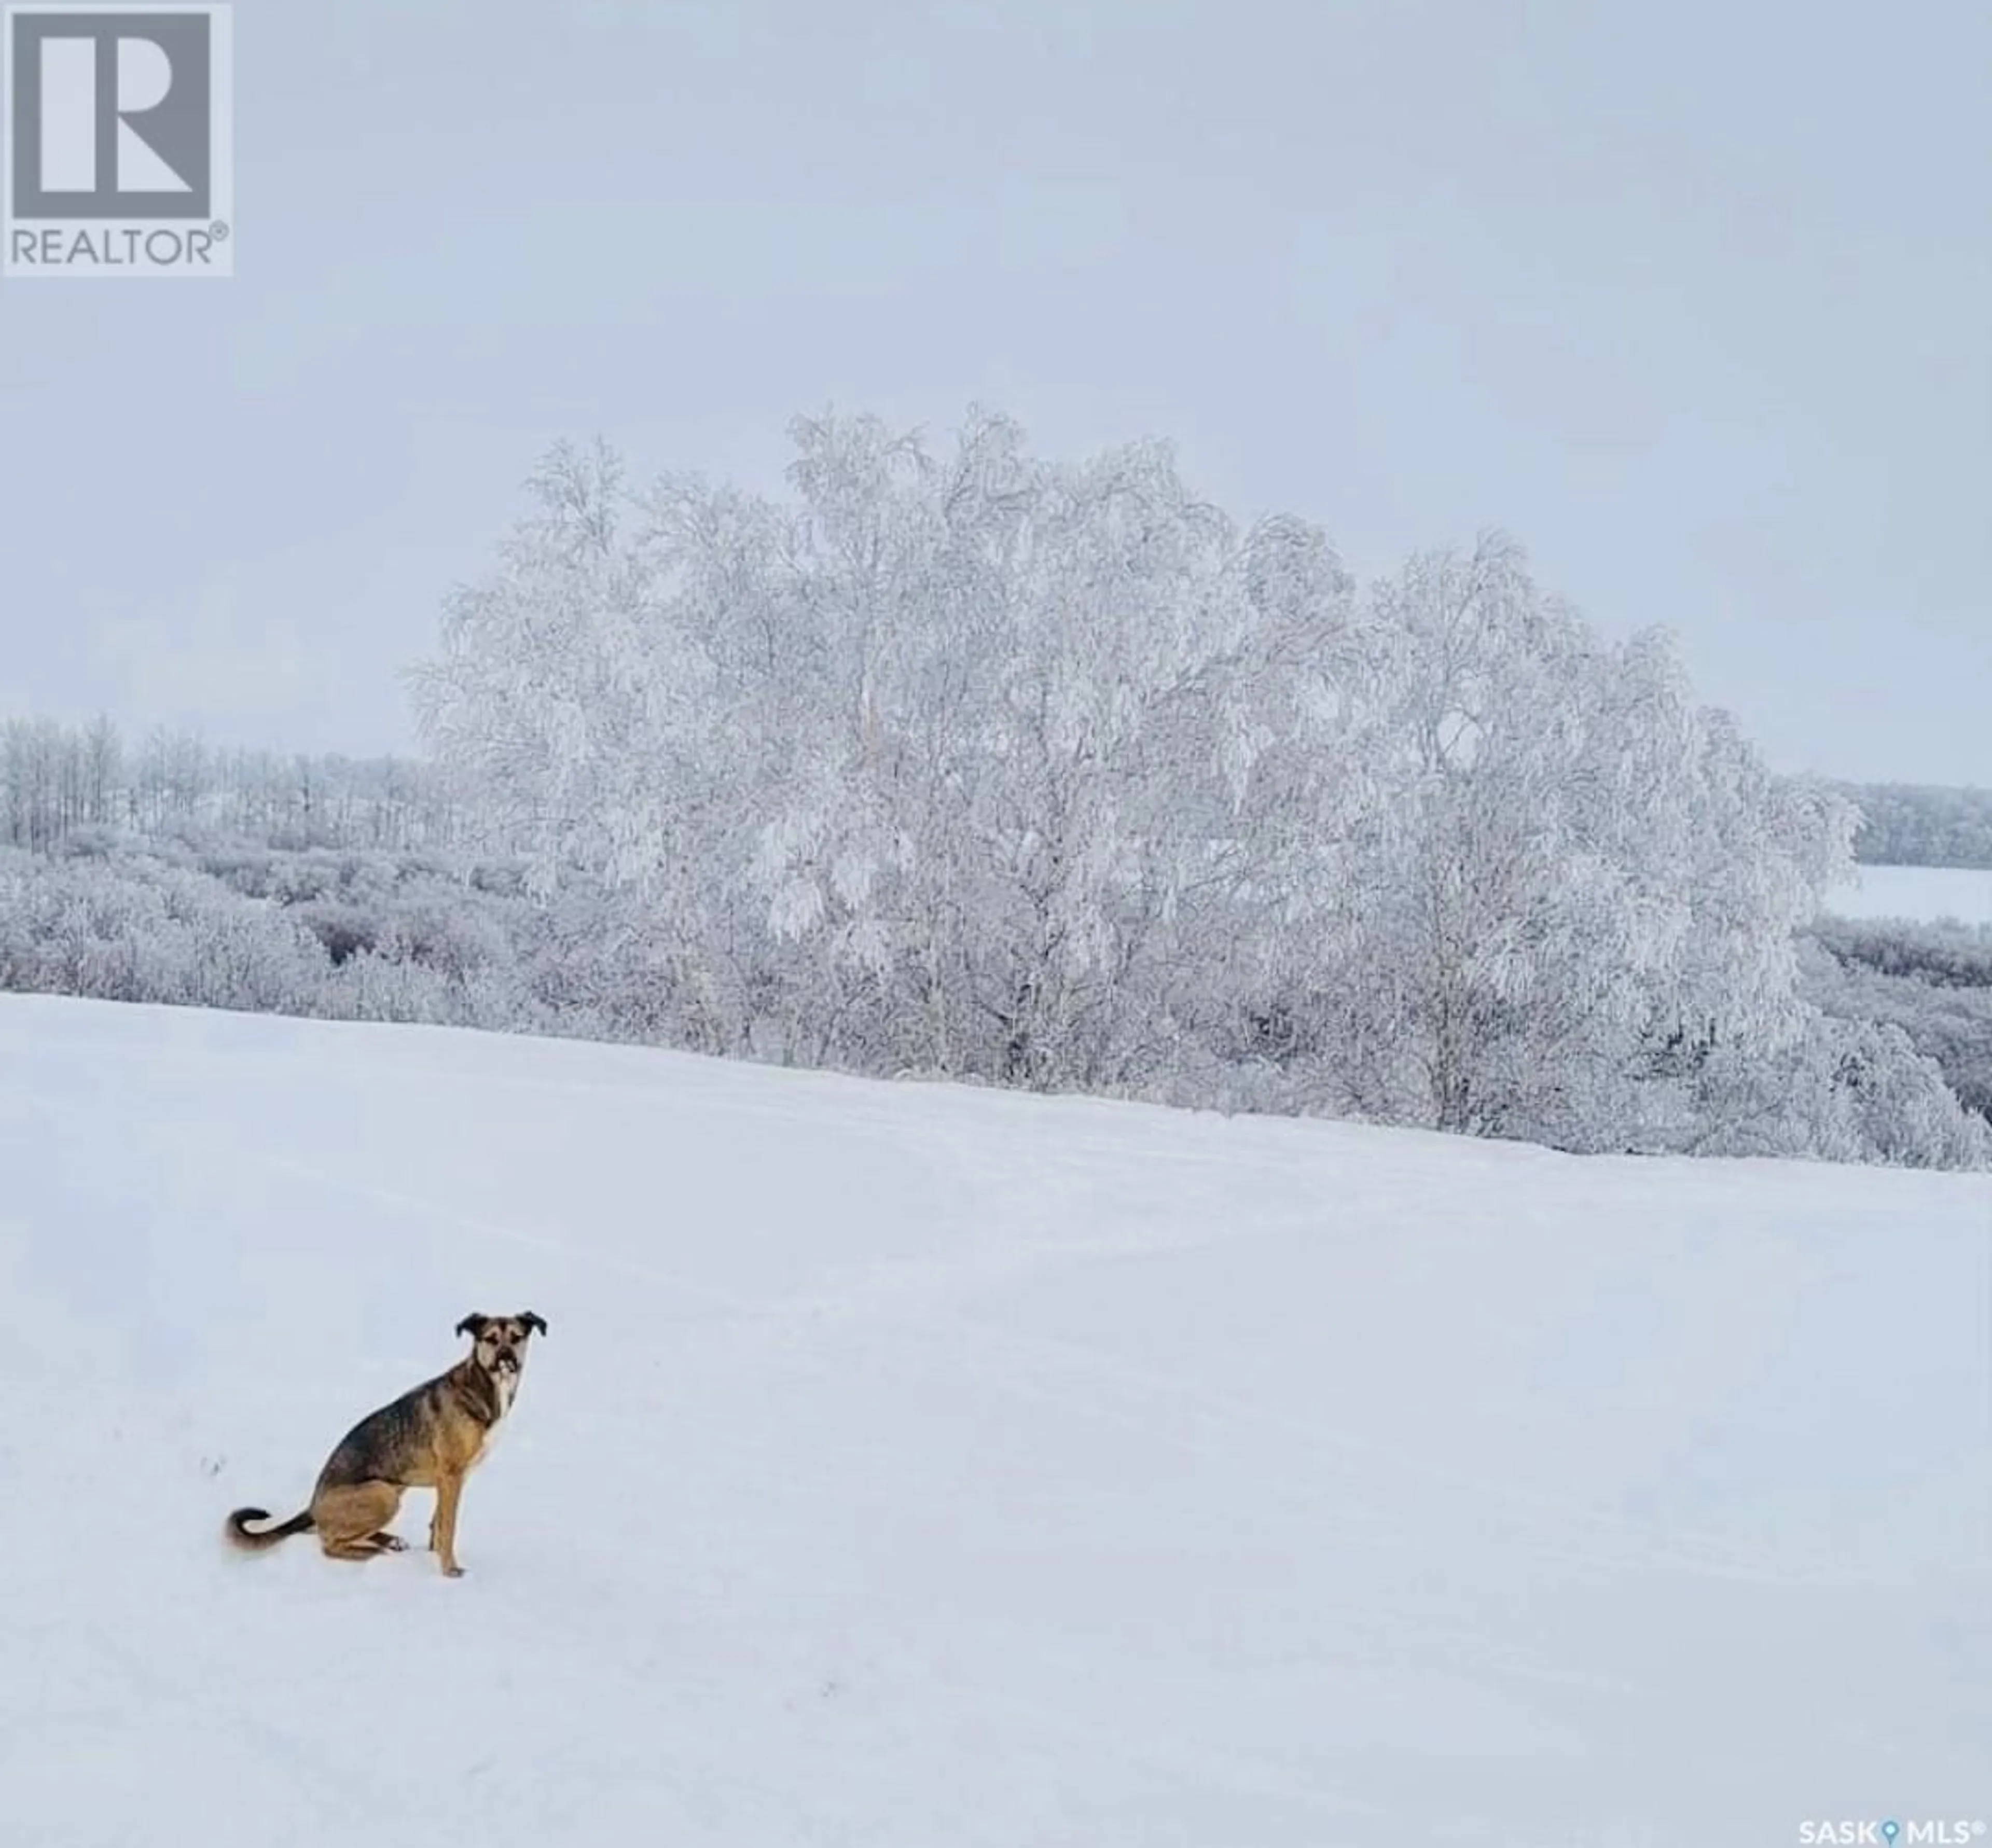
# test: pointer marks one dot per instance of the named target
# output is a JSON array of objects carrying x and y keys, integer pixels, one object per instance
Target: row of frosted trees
[{"x": 971, "y": 763}]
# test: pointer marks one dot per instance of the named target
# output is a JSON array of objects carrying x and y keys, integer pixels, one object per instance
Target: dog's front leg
[{"x": 442, "y": 1524}]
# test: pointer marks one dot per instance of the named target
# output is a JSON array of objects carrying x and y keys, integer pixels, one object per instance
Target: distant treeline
[
  {"x": 1921, "y": 825},
  {"x": 56, "y": 780}
]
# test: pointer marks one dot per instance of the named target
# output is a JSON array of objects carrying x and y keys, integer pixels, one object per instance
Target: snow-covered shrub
[
  {"x": 1844, "y": 1090},
  {"x": 1932, "y": 982}
]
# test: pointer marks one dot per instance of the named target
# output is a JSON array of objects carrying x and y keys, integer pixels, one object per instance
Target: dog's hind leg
[
  {"x": 354, "y": 1549},
  {"x": 351, "y": 1519}
]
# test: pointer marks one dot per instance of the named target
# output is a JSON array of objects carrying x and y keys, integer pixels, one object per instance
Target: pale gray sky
[{"x": 1695, "y": 300}]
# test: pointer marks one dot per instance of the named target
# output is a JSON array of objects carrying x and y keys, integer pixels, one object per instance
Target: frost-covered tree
[
  {"x": 1018, "y": 811},
  {"x": 959, "y": 726},
  {"x": 1555, "y": 881}
]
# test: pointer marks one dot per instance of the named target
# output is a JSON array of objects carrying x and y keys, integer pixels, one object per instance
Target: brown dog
[{"x": 430, "y": 1437}]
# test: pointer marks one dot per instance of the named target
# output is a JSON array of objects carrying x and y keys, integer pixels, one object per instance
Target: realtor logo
[{"x": 118, "y": 142}]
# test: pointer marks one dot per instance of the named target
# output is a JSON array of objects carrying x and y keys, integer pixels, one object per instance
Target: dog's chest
[{"x": 507, "y": 1385}]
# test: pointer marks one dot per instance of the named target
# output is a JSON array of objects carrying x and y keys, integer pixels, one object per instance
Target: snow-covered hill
[{"x": 914, "y": 1467}]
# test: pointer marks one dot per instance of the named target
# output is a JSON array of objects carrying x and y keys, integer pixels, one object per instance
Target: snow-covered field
[
  {"x": 1924, "y": 892},
  {"x": 912, "y": 1467}
]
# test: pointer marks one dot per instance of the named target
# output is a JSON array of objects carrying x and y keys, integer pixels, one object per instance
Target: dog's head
[{"x": 498, "y": 1342}]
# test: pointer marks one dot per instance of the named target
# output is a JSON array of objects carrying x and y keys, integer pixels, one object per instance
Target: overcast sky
[{"x": 1695, "y": 300}]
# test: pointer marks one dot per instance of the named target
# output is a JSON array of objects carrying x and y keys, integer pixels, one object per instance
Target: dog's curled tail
[{"x": 238, "y": 1528}]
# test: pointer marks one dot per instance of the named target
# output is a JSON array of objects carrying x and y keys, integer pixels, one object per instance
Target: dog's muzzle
[{"x": 505, "y": 1362}]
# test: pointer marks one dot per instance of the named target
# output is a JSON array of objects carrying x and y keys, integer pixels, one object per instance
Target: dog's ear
[
  {"x": 472, "y": 1325},
  {"x": 530, "y": 1320}
]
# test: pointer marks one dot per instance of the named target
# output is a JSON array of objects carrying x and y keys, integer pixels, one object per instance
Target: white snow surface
[
  {"x": 1924, "y": 893},
  {"x": 914, "y": 1466}
]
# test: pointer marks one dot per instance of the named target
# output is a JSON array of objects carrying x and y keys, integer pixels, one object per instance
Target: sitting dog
[{"x": 430, "y": 1437}]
